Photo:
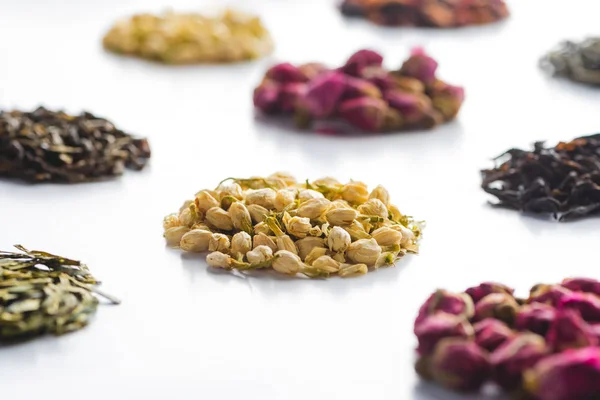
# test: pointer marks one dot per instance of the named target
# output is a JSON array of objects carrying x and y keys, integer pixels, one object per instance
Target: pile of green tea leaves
[{"x": 44, "y": 293}]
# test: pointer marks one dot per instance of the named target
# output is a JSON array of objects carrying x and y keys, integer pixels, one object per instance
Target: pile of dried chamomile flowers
[
  {"x": 316, "y": 229},
  {"x": 184, "y": 38}
]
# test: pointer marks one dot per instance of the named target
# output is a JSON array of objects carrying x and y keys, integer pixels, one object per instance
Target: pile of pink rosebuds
[
  {"x": 362, "y": 93},
  {"x": 545, "y": 347}
]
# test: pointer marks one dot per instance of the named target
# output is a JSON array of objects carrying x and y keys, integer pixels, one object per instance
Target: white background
[{"x": 184, "y": 332}]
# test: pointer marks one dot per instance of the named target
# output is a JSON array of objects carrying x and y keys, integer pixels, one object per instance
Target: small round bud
[
  {"x": 338, "y": 239},
  {"x": 195, "y": 240},
  {"x": 365, "y": 251},
  {"x": 219, "y": 218},
  {"x": 259, "y": 255},
  {"x": 286, "y": 262}
]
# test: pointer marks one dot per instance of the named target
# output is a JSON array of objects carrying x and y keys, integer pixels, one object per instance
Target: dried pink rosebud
[
  {"x": 535, "y": 317},
  {"x": 324, "y": 93},
  {"x": 516, "y": 355},
  {"x": 286, "y": 73},
  {"x": 570, "y": 331},
  {"x": 491, "y": 333},
  {"x": 366, "y": 113},
  {"x": 447, "y": 99},
  {"x": 501, "y": 306},
  {"x": 356, "y": 87},
  {"x": 587, "y": 304},
  {"x": 460, "y": 364},
  {"x": 440, "y": 326},
  {"x": 290, "y": 95},
  {"x": 547, "y": 294},
  {"x": 420, "y": 66},
  {"x": 379, "y": 77},
  {"x": 479, "y": 292},
  {"x": 361, "y": 59},
  {"x": 587, "y": 285},
  {"x": 266, "y": 97},
  {"x": 311, "y": 70},
  {"x": 448, "y": 302},
  {"x": 412, "y": 107},
  {"x": 570, "y": 375}
]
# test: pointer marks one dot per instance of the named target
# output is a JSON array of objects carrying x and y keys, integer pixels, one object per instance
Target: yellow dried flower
[
  {"x": 262, "y": 228},
  {"x": 326, "y": 264},
  {"x": 298, "y": 226},
  {"x": 386, "y": 236},
  {"x": 341, "y": 216},
  {"x": 241, "y": 243},
  {"x": 195, "y": 240},
  {"x": 315, "y": 253},
  {"x": 286, "y": 262},
  {"x": 306, "y": 245},
  {"x": 353, "y": 269},
  {"x": 308, "y": 194},
  {"x": 313, "y": 208},
  {"x": 218, "y": 242},
  {"x": 382, "y": 194},
  {"x": 285, "y": 177},
  {"x": 240, "y": 217},
  {"x": 395, "y": 213},
  {"x": 217, "y": 259},
  {"x": 374, "y": 207},
  {"x": 185, "y": 217},
  {"x": 262, "y": 197},
  {"x": 174, "y": 235},
  {"x": 171, "y": 221},
  {"x": 364, "y": 251},
  {"x": 259, "y": 255},
  {"x": 205, "y": 201},
  {"x": 219, "y": 218},
  {"x": 263, "y": 240},
  {"x": 338, "y": 239},
  {"x": 284, "y": 198},
  {"x": 286, "y": 243},
  {"x": 356, "y": 231},
  {"x": 355, "y": 193},
  {"x": 257, "y": 213}
]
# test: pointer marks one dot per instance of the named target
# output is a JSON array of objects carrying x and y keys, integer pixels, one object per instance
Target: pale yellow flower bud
[
  {"x": 285, "y": 177},
  {"x": 326, "y": 264},
  {"x": 171, "y": 221},
  {"x": 315, "y": 253},
  {"x": 219, "y": 218},
  {"x": 262, "y": 228},
  {"x": 259, "y": 255},
  {"x": 386, "y": 258},
  {"x": 286, "y": 262},
  {"x": 374, "y": 207},
  {"x": 382, "y": 194},
  {"x": 308, "y": 194},
  {"x": 205, "y": 201},
  {"x": 200, "y": 225},
  {"x": 327, "y": 181},
  {"x": 257, "y": 213},
  {"x": 313, "y": 208},
  {"x": 284, "y": 198},
  {"x": 298, "y": 226},
  {"x": 263, "y": 240},
  {"x": 364, "y": 251},
  {"x": 186, "y": 217},
  {"x": 357, "y": 231},
  {"x": 341, "y": 216},
  {"x": 219, "y": 260},
  {"x": 186, "y": 204},
  {"x": 286, "y": 243},
  {"x": 240, "y": 217},
  {"x": 262, "y": 197},
  {"x": 387, "y": 236},
  {"x": 338, "y": 239},
  {"x": 233, "y": 190},
  {"x": 355, "y": 193},
  {"x": 306, "y": 245},
  {"x": 174, "y": 235},
  {"x": 353, "y": 269},
  {"x": 218, "y": 242},
  {"x": 408, "y": 236},
  {"x": 195, "y": 240},
  {"x": 395, "y": 213},
  {"x": 339, "y": 257},
  {"x": 241, "y": 243}
]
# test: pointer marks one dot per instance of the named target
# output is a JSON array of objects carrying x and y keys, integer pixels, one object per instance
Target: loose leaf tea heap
[
  {"x": 316, "y": 229},
  {"x": 545, "y": 347},
  {"x": 429, "y": 13},
  {"x": 46, "y": 145},
  {"x": 577, "y": 61},
  {"x": 563, "y": 180},
  {"x": 362, "y": 93},
  {"x": 183, "y": 38},
  {"x": 43, "y": 293}
]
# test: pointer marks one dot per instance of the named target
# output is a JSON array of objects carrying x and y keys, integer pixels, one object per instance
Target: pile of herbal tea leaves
[
  {"x": 316, "y": 229},
  {"x": 185, "y": 38},
  {"x": 44, "y": 293},
  {"x": 563, "y": 180},
  {"x": 46, "y": 145},
  {"x": 577, "y": 61}
]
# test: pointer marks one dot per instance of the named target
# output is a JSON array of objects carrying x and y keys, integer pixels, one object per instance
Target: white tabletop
[{"x": 184, "y": 332}]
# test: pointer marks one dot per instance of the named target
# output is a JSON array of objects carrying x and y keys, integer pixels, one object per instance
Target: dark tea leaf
[
  {"x": 45, "y": 145},
  {"x": 43, "y": 293},
  {"x": 563, "y": 180}
]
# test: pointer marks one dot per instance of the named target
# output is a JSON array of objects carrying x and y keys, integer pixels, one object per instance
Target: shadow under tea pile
[
  {"x": 43, "y": 293},
  {"x": 317, "y": 229},
  {"x": 46, "y": 145},
  {"x": 185, "y": 38}
]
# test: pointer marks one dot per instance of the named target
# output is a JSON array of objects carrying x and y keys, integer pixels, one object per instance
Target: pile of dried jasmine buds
[
  {"x": 362, "y": 93},
  {"x": 430, "y": 13},
  {"x": 544, "y": 347},
  {"x": 183, "y": 38},
  {"x": 577, "y": 61},
  {"x": 317, "y": 229}
]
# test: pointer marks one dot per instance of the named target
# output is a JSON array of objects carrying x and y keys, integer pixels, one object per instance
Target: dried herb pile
[
  {"x": 362, "y": 93},
  {"x": 577, "y": 61},
  {"x": 44, "y": 293},
  {"x": 184, "y": 38},
  {"x": 46, "y": 145},
  {"x": 563, "y": 180},
  {"x": 317, "y": 229},
  {"x": 429, "y": 13},
  {"x": 545, "y": 347}
]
